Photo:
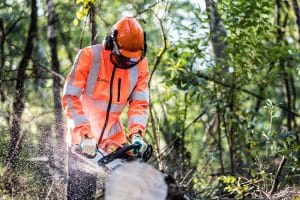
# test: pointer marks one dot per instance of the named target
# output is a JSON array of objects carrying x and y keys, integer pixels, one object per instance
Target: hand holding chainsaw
[
  {"x": 97, "y": 157},
  {"x": 137, "y": 139},
  {"x": 88, "y": 146}
]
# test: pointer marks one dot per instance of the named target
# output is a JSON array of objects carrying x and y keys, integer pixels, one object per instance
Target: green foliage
[
  {"x": 234, "y": 148},
  {"x": 267, "y": 144},
  {"x": 253, "y": 63},
  {"x": 83, "y": 10},
  {"x": 234, "y": 186}
]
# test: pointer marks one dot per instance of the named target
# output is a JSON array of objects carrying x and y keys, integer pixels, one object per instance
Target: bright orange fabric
[{"x": 87, "y": 93}]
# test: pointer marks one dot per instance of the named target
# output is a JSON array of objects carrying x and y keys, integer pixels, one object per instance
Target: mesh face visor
[{"x": 121, "y": 61}]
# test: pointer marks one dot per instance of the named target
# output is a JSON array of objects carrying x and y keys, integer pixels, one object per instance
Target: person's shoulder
[
  {"x": 90, "y": 51},
  {"x": 143, "y": 63},
  {"x": 145, "y": 60},
  {"x": 93, "y": 48}
]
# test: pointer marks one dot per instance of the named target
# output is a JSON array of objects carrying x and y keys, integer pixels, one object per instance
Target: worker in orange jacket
[{"x": 103, "y": 79}]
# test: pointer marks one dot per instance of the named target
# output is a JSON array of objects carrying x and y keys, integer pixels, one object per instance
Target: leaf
[
  {"x": 269, "y": 102},
  {"x": 265, "y": 135},
  {"x": 79, "y": 15},
  {"x": 75, "y": 22},
  {"x": 86, "y": 2},
  {"x": 84, "y": 12}
]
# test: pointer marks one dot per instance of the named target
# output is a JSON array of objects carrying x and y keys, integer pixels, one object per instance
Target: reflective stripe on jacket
[{"x": 88, "y": 91}]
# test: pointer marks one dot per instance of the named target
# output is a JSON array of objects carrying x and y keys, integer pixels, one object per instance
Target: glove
[
  {"x": 88, "y": 146},
  {"x": 137, "y": 139}
]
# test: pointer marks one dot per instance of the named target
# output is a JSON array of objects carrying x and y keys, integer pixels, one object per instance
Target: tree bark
[
  {"x": 44, "y": 168},
  {"x": 217, "y": 31},
  {"x": 65, "y": 38},
  {"x": 2, "y": 59},
  {"x": 218, "y": 124},
  {"x": 183, "y": 152},
  {"x": 288, "y": 79},
  {"x": 93, "y": 25},
  {"x": 18, "y": 104},
  {"x": 297, "y": 13},
  {"x": 52, "y": 39},
  {"x": 3, "y": 35}
]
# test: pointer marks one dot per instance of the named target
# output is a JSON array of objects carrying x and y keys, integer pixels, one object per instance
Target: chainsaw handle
[
  {"x": 120, "y": 153},
  {"x": 128, "y": 148}
]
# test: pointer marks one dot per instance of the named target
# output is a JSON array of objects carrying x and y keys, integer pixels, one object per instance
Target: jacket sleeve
[
  {"x": 74, "y": 85},
  {"x": 139, "y": 102}
]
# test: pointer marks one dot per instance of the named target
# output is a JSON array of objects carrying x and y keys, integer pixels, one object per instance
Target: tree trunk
[
  {"x": 18, "y": 104},
  {"x": 2, "y": 60},
  {"x": 288, "y": 79},
  {"x": 52, "y": 39},
  {"x": 65, "y": 38},
  {"x": 45, "y": 168},
  {"x": 217, "y": 31},
  {"x": 182, "y": 154},
  {"x": 93, "y": 25},
  {"x": 297, "y": 13},
  {"x": 219, "y": 132}
]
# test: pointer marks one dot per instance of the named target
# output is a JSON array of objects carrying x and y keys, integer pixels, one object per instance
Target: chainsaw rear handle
[{"x": 125, "y": 149}]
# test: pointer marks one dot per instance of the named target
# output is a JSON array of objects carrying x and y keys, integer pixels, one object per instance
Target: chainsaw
[{"x": 111, "y": 161}]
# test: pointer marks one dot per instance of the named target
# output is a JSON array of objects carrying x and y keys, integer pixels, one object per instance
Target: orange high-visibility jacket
[{"x": 95, "y": 94}]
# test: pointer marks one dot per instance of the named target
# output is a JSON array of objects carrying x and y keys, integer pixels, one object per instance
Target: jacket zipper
[
  {"x": 119, "y": 89},
  {"x": 109, "y": 104}
]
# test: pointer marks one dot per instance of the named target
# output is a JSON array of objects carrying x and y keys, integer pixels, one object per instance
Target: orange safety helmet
[{"x": 130, "y": 37}]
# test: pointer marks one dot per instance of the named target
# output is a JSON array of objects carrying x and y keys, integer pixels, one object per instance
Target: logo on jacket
[{"x": 102, "y": 80}]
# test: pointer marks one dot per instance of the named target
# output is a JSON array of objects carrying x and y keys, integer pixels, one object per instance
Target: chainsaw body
[{"x": 110, "y": 161}]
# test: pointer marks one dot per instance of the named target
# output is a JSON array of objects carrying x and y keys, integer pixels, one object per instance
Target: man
[{"x": 102, "y": 80}]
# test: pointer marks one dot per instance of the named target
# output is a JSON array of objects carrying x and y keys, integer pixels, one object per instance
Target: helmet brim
[{"x": 131, "y": 54}]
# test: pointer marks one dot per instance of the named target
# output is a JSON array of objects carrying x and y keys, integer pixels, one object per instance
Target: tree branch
[
  {"x": 277, "y": 176},
  {"x": 35, "y": 62},
  {"x": 184, "y": 131},
  {"x": 163, "y": 50},
  {"x": 206, "y": 77},
  {"x": 19, "y": 102},
  {"x": 157, "y": 61},
  {"x": 148, "y": 8},
  {"x": 12, "y": 26}
]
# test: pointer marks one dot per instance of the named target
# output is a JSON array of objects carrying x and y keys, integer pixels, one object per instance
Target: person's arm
[
  {"x": 75, "y": 83},
  {"x": 139, "y": 102}
]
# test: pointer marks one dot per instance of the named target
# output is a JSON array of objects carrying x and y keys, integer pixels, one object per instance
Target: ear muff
[
  {"x": 145, "y": 45},
  {"x": 109, "y": 40}
]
